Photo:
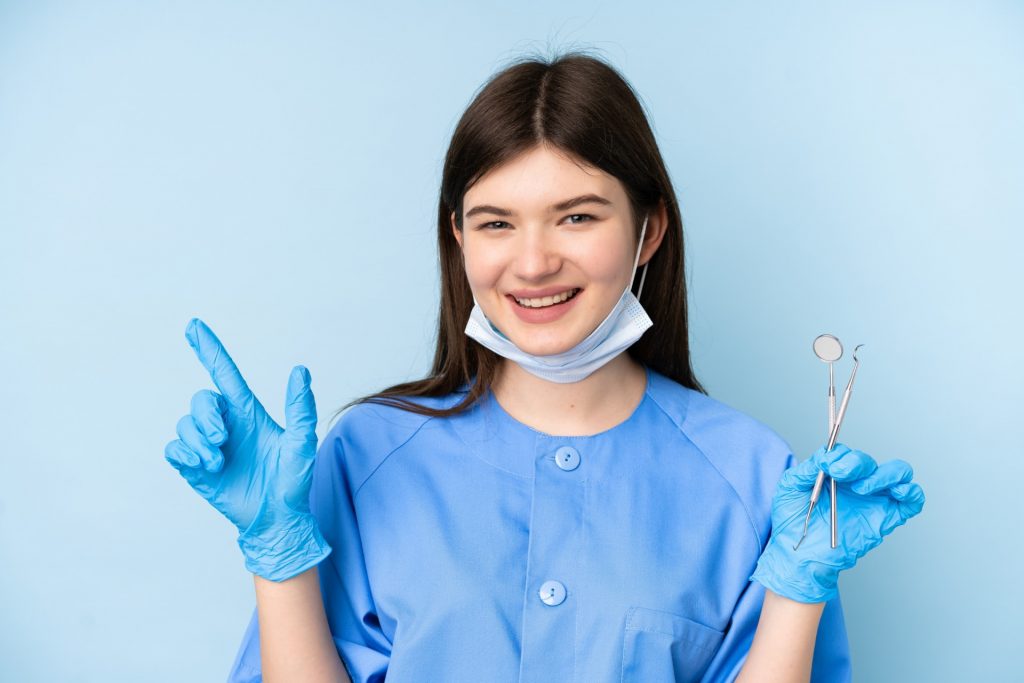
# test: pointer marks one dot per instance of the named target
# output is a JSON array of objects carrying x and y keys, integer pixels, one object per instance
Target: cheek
[
  {"x": 599, "y": 263},
  {"x": 483, "y": 267}
]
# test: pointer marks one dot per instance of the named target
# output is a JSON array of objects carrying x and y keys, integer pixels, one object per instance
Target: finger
[
  {"x": 804, "y": 474},
  {"x": 189, "y": 433},
  {"x": 217, "y": 362},
  {"x": 910, "y": 497},
  {"x": 909, "y": 501},
  {"x": 851, "y": 466},
  {"x": 300, "y": 408},
  {"x": 180, "y": 455},
  {"x": 208, "y": 412},
  {"x": 887, "y": 475}
]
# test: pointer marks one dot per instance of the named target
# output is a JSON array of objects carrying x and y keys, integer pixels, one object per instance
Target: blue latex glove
[
  {"x": 873, "y": 500},
  {"x": 248, "y": 468}
]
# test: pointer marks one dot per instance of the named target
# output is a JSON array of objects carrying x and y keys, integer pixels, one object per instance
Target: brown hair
[{"x": 582, "y": 106}]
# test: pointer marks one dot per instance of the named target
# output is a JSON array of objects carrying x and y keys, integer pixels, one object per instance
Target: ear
[
  {"x": 657, "y": 226},
  {"x": 456, "y": 231}
]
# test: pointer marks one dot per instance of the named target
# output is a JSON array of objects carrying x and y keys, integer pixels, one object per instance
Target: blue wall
[{"x": 853, "y": 168}]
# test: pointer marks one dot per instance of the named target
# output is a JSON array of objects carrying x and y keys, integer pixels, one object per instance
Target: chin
[{"x": 538, "y": 347}]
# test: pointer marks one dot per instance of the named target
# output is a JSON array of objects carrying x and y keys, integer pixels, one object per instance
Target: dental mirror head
[{"x": 828, "y": 348}]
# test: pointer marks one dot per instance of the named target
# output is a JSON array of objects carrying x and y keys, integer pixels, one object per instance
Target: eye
[
  {"x": 581, "y": 215},
  {"x": 493, "y": 225}
]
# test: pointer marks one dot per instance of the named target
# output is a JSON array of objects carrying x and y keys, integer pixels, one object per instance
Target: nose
[{"x": 537, "y": 256}]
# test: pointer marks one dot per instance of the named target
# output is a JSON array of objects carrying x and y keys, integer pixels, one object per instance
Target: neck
[{"x": 603, "y": 399}]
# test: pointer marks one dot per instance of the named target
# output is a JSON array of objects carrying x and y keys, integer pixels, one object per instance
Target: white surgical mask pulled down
[{"x": 626, "y": 322}]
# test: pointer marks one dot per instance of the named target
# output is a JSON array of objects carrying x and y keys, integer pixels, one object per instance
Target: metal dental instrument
[
  {"x": 816, "y": 492},
  {"x": 829, "y": 349}
]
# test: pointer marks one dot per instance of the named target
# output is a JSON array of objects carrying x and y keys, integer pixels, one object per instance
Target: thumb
[{"x": 300, "y": 408}]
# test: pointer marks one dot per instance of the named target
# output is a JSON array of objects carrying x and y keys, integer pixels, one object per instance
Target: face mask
[{"x": 626, "y": 322}]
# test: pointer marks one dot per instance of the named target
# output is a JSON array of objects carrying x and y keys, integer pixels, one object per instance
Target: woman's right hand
[{"x": 246, "y": 466}]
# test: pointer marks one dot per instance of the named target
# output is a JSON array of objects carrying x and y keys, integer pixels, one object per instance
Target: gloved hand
[
  {"x": 248, "y": 468},
  {"x": 873, "y": 500}
]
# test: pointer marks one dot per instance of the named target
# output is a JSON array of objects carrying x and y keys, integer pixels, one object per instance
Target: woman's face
[{"x": 541, "y": 227}]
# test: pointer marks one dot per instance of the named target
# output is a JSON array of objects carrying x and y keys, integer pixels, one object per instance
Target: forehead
[{"x": 539, "y": 178}]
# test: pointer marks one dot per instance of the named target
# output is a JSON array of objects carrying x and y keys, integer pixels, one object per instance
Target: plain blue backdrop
[{"x": 273, "y": 168}]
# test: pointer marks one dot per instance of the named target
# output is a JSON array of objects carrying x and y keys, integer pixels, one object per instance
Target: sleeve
[
  {"x": 344, "y": 584},
  {"x": 831, "y": 659}
]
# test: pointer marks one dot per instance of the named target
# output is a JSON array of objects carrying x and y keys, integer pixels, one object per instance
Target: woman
[{"x": 559, "y": 500}]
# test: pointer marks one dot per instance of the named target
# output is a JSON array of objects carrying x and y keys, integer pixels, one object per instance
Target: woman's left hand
[{"x": 873, "y": 500}]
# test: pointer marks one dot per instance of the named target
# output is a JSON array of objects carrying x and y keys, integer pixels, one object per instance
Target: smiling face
[{"x": 539, "y": 228}]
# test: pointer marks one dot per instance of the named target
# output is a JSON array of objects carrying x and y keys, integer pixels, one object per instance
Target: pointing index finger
[{"x": 218, "y": 363}]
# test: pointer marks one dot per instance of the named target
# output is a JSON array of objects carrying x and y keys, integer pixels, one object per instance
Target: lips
[
  {"x": 544, "y": 302},
  {"x": 543, "y": 314},
  {"x": 541, "y": 293}
]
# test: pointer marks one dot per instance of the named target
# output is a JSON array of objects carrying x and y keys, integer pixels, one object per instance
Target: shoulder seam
[
  {"x": 406, "y": 440},
  {"x": 743, "y": 504}
]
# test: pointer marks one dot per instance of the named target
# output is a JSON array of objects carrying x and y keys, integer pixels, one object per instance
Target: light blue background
[{"x": 273, "y": 168}]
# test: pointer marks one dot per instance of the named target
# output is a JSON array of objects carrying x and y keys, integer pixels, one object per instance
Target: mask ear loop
[{"x": 643, "y": 276}]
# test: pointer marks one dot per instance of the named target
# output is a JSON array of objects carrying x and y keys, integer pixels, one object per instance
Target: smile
[{"x": 546, "y": 301}]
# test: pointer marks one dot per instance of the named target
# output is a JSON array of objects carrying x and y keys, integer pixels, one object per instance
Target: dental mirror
[{"x": 828, "y": 348}]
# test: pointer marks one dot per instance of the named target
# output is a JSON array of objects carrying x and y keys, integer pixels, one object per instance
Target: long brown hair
[{"x": 583, "y": 106}]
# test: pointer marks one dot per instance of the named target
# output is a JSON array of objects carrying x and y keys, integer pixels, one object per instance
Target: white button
[
  {"x": 552, "y": 593},
  {"x": 567, "y": 457}
]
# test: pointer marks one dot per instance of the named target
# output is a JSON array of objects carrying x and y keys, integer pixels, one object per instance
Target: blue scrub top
[{"x": 475, "y": 548}]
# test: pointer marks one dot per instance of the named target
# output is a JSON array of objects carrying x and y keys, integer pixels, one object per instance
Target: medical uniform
[{"x": 477, "y": 549}]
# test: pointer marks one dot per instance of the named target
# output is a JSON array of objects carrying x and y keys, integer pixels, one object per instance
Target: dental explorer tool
[
  {"x": 829, "y": 349},
  {"x": 816, "y": 492}
]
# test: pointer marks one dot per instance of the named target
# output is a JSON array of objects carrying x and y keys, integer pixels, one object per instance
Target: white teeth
[{"x": 547, "y": 300}]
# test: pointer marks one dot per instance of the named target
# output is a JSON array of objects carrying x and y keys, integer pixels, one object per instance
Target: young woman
[{"x": 559, "y": 500}]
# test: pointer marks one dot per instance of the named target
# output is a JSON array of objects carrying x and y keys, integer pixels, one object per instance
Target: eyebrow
[{"x": 561, "y": 206}]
